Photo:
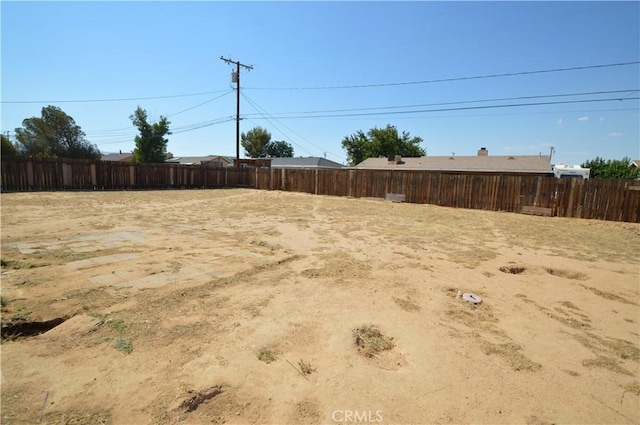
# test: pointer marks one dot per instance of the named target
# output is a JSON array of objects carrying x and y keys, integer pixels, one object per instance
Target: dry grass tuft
[
  {"x": 339, "y": 267},
  {"x": 267, "y": 355},
  {"x": 569, "y": 304},
  {"x": 621, "y": 348},
  {"x": 633, "y": 388},
  {"x": 567, "y": 274},
  {"x": 511, "y": 353},
  {"x": 608, "y": 363},
  {"x": 78, "y": 418},
  {"x": 407, "y": 304},
  {"x": 305, "y": 367},
  {"x": 608, "y": 295},
  {"x": 370, "y": 341}
]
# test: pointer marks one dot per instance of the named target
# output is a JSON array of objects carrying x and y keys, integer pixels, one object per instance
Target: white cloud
[
  {"x": 583, "y": 119},
  {"x": 615, "y": 134},
  {"x": 559, "y": 122}
]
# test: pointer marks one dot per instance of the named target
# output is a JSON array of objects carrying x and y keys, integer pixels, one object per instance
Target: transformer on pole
[{"x": 235, "y": 78}]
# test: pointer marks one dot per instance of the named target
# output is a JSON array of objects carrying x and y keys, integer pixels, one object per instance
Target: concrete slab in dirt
[
  {"x": 115, "y": 278},
  {"x": 100, "y": 261}
]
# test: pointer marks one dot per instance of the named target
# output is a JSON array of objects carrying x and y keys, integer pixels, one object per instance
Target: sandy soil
[{"x": 200, "y": 307}]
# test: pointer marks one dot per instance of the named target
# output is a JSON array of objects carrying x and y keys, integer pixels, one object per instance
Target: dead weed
[
  {"x": 511, "y": 353},
  {"x": 370, "y": 341}
]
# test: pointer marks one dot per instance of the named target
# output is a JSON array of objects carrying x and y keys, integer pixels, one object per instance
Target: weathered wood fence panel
[{"x": 615, "y": 200}]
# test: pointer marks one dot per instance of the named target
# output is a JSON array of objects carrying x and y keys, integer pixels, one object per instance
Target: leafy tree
[
  {"x": 279, "y": 149},
  {"x": 381, "y": 142},
  {"x": 612, "y": 169},
  {"x": 255, "y": 141},
  {"x": 54, "y": 135},
  {"x": 7, "y": 147},
  {"x": 151, "y": 146}
]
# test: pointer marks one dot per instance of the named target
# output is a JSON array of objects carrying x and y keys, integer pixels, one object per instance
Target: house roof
[
  {"x": 514, "y": 163},
  {"x": 300, "y": 162},
  {"x": 116, "y": 156},
  {"x": 635, "y": 162},
  {"x": 197, "y": 160}
]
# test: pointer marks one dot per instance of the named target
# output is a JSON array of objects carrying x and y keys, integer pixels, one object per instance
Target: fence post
[
  {"x": 350, "y": 184},
  {"x": 67, "y": 178},
  {"x": 30, "y": 178},
  {"x": 94, "y": 180},
  {"x": 316, "y": 191},
  {"x": 271, "y": 177}
]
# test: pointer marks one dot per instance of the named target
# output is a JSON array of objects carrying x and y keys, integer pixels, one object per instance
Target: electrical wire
[
  {"x": 113, "y": 99},
  {"x": 513, "y": 105},
  {"x": 177, "y": 130},
  {"x": 204, "y": 124},
  {"x": 302, "y": 137},
  {"x": 630, "y": 91},
  {"x": 275, "y": 126},
  {"x": 444, "y": 80},
  {"x": 200, "y": 104}
]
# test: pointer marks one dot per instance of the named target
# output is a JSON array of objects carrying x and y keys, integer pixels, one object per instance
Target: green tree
[
  {"x": 279, "y": 149},
  {"x": 7, "y": 147},
  {"x": 381, "y": 142},
  {"x": 612, "y": 169},
  {"x": 151, "y": 146},
  {"x": 54, "y": 135},
  {"x": 255, "y": 141}
]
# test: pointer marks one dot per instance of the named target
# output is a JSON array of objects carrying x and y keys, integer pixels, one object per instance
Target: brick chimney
[
  {"x": 395, "y": 159},
  {"x": 483, "y": 152}
]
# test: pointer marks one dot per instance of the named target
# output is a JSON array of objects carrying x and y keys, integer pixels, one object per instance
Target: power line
[
  {"x": 444, "y": 80},
  {"x": 192, "y": 127},
  {"x": 200, "y": 104},
  {"x": 182, "y": 129},
  {"x": 513, "y": 105},
  {"x": 258, "y": 108},
  {"x": 631, "y": 91},
  {"x": 276, "y": 127},
  {"x": 113, "y": 99}
]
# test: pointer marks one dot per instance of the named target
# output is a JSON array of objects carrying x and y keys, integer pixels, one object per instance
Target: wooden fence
[{"x": 615, "y": 200}]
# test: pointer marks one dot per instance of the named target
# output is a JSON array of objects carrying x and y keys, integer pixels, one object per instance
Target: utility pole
[{"x": 236, "y": 77}]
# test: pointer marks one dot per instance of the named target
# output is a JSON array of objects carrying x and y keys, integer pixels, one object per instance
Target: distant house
[
  {"x": 300, "y": 162},
  {"x": 118, "y": 157},
  {"x": 481, "y": 163},
  {"x": 635, "y": 163},
  {"x": 215, "y": 161},
  {"x": 252, "y": 163}
]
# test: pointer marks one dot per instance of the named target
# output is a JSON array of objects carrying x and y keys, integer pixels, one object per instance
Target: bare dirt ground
[{"x": 251, "y": 307}]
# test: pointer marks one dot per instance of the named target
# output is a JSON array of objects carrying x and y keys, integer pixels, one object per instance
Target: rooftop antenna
[{"x": 551, "y": 152}]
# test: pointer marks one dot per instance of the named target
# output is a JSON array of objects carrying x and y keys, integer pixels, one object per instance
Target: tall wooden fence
[{"x": 615, "y": 200}]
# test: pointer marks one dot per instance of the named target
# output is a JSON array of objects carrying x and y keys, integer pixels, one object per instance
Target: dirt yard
[{"x": 256, "y": 307}]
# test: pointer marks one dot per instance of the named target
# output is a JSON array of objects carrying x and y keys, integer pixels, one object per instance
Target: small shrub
[
  {"x": 266, "y": 355},
  {"x": 370, "y": 341},
  {"x": 306, "y": 367},
  {"x": 124, "y": 344}
]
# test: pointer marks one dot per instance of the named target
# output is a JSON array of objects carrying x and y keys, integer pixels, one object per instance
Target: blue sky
[{"x": 307, "y": 56}]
